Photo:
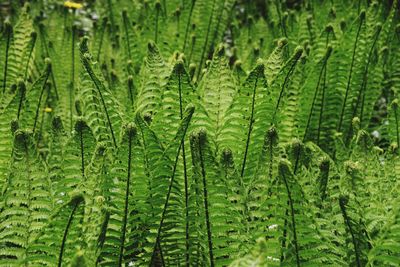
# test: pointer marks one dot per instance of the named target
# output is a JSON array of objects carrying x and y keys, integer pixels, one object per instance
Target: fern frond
[
  {"x": 27, "y": 203},
  {"x": 117, "y": 235},
  {"x": 216, "y": 90},
  {"x": 11, "y": 112},
  {"x": 18, "y": 55},
  {"x": 240, "y": 123},
  {"x": 156, "y": 72},
  {"x": 109, "y": 104},
  {"x": 220, "y": 223},
  {"x": 77, "y": 155}
]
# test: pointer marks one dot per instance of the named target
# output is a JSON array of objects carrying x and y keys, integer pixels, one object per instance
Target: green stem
[
  {"x": 350, "y": 74},
  {"x": 47, "y": 54},
  {"x": 315, "y": 97},
  {"x": 127, "y": 191},
  {"x": 48, "y": 70},
  {"x": 103, "y": 29},
  {"x": 250, "y": 128},
  {"x": 188, "y": 24},
  {"x": 206, "y": 40},
  {"x": 397, "y": 127},
  {"x": 98, "y": 86},
  {"x": 128, "y": 41},
  {"x": 9, "y": 32},
  {"x": 31, "y": 47},
  {"x": 22, "y": 89},
  {"x": 205, "y": 195},
  {"x": 293, "y": 220},
  {"x": 361, "y": 92},
  {"x": 219, "y": 18},
  {"x": 82, "y": 152},
  {"x": 64, "y": 240},
  {"x": 71, "y": 91},
  {"x": 165, "y": 206},
  {"x": 185, "y": 175},
  {"x": 285, "y": 82},
  {"x": 348, "y": 224},
  {"x": 321, "y": 111},
  {"x": 156, "y": 27}
]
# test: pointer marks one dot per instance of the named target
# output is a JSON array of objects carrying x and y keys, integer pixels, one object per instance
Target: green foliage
[{"x": 200, "y": 133}]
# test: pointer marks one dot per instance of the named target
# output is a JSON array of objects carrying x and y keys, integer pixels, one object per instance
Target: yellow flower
[
  {"x": 48, "y": 110},
  {"x": 71, "y": 4}
]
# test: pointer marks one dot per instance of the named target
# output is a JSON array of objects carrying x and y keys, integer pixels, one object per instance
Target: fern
[{"x": 199, "y": 133}]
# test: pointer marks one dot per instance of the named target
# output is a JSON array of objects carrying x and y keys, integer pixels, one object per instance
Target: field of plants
[{"x": 200, "y": 133}]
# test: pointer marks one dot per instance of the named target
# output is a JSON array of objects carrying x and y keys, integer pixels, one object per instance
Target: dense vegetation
[{"x": 200, "y": 133}]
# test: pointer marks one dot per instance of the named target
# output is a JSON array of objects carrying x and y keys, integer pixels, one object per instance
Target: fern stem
[
  {"x": 219, "y": 18},
  {"x": 65, "y": 15},
  {"x": 47, "y": 54},
  {"x": 111, "y": 14},
  {"x": 128, "y": 41},
  {"x": 285, "y": 83},
  {"x": 188, "y": 24},
  {"x": 102, "y": 235},
  {"x": 164, "y": 4},
  {"x": 161, "y": 255},
  {"x": 48, "y": 70},
  {"x": 9, "y": 31},
  {"x": 178, "y": 22},
  {"x": 397, "y": 127},
  {"x": 31, "y": 47},
  {"x": 293, "y": 220},
  {"x": 205, "y": 196},
  {"x": 250, "y": 128},
  {"x": 103, "y": 30},
  {"x": 351, "y": 72},
  {"x": 64, "y": 240},
  {"x": 29, "y": 200},
  {"x": 130, "y": 90},
  {"x": 40, "y": 135},
  {"x": 156, "y": 27},
  {"x": 347, "y": 222},
  {"x": 310, "y": 32},
  {"x": 165, "y": 205},
  {"x": 124, "y": 222},
  {"x": 82, "y": 152},
  {"x": 206, "y": 41},
  {"x": 361, "y": 94},
  {"x": 191, "y": 51},
  {"x": 284, "y": 234},
  {"x": 185, "y": 177},
  {"x": 282, "y": 24},
  {"x": 22, "y": 89},
  {"x": 181, "y": 141},
  {"x": 98, "y": 84},
  {"x": 323, "y": 179},
  {"x": 296, "y": 166},
  {"x": 315, "y": 96},
  {"x": 72, "y": 84},
  {"x": 272, "y": 135},
  {"x": 321, "y": 111}
]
